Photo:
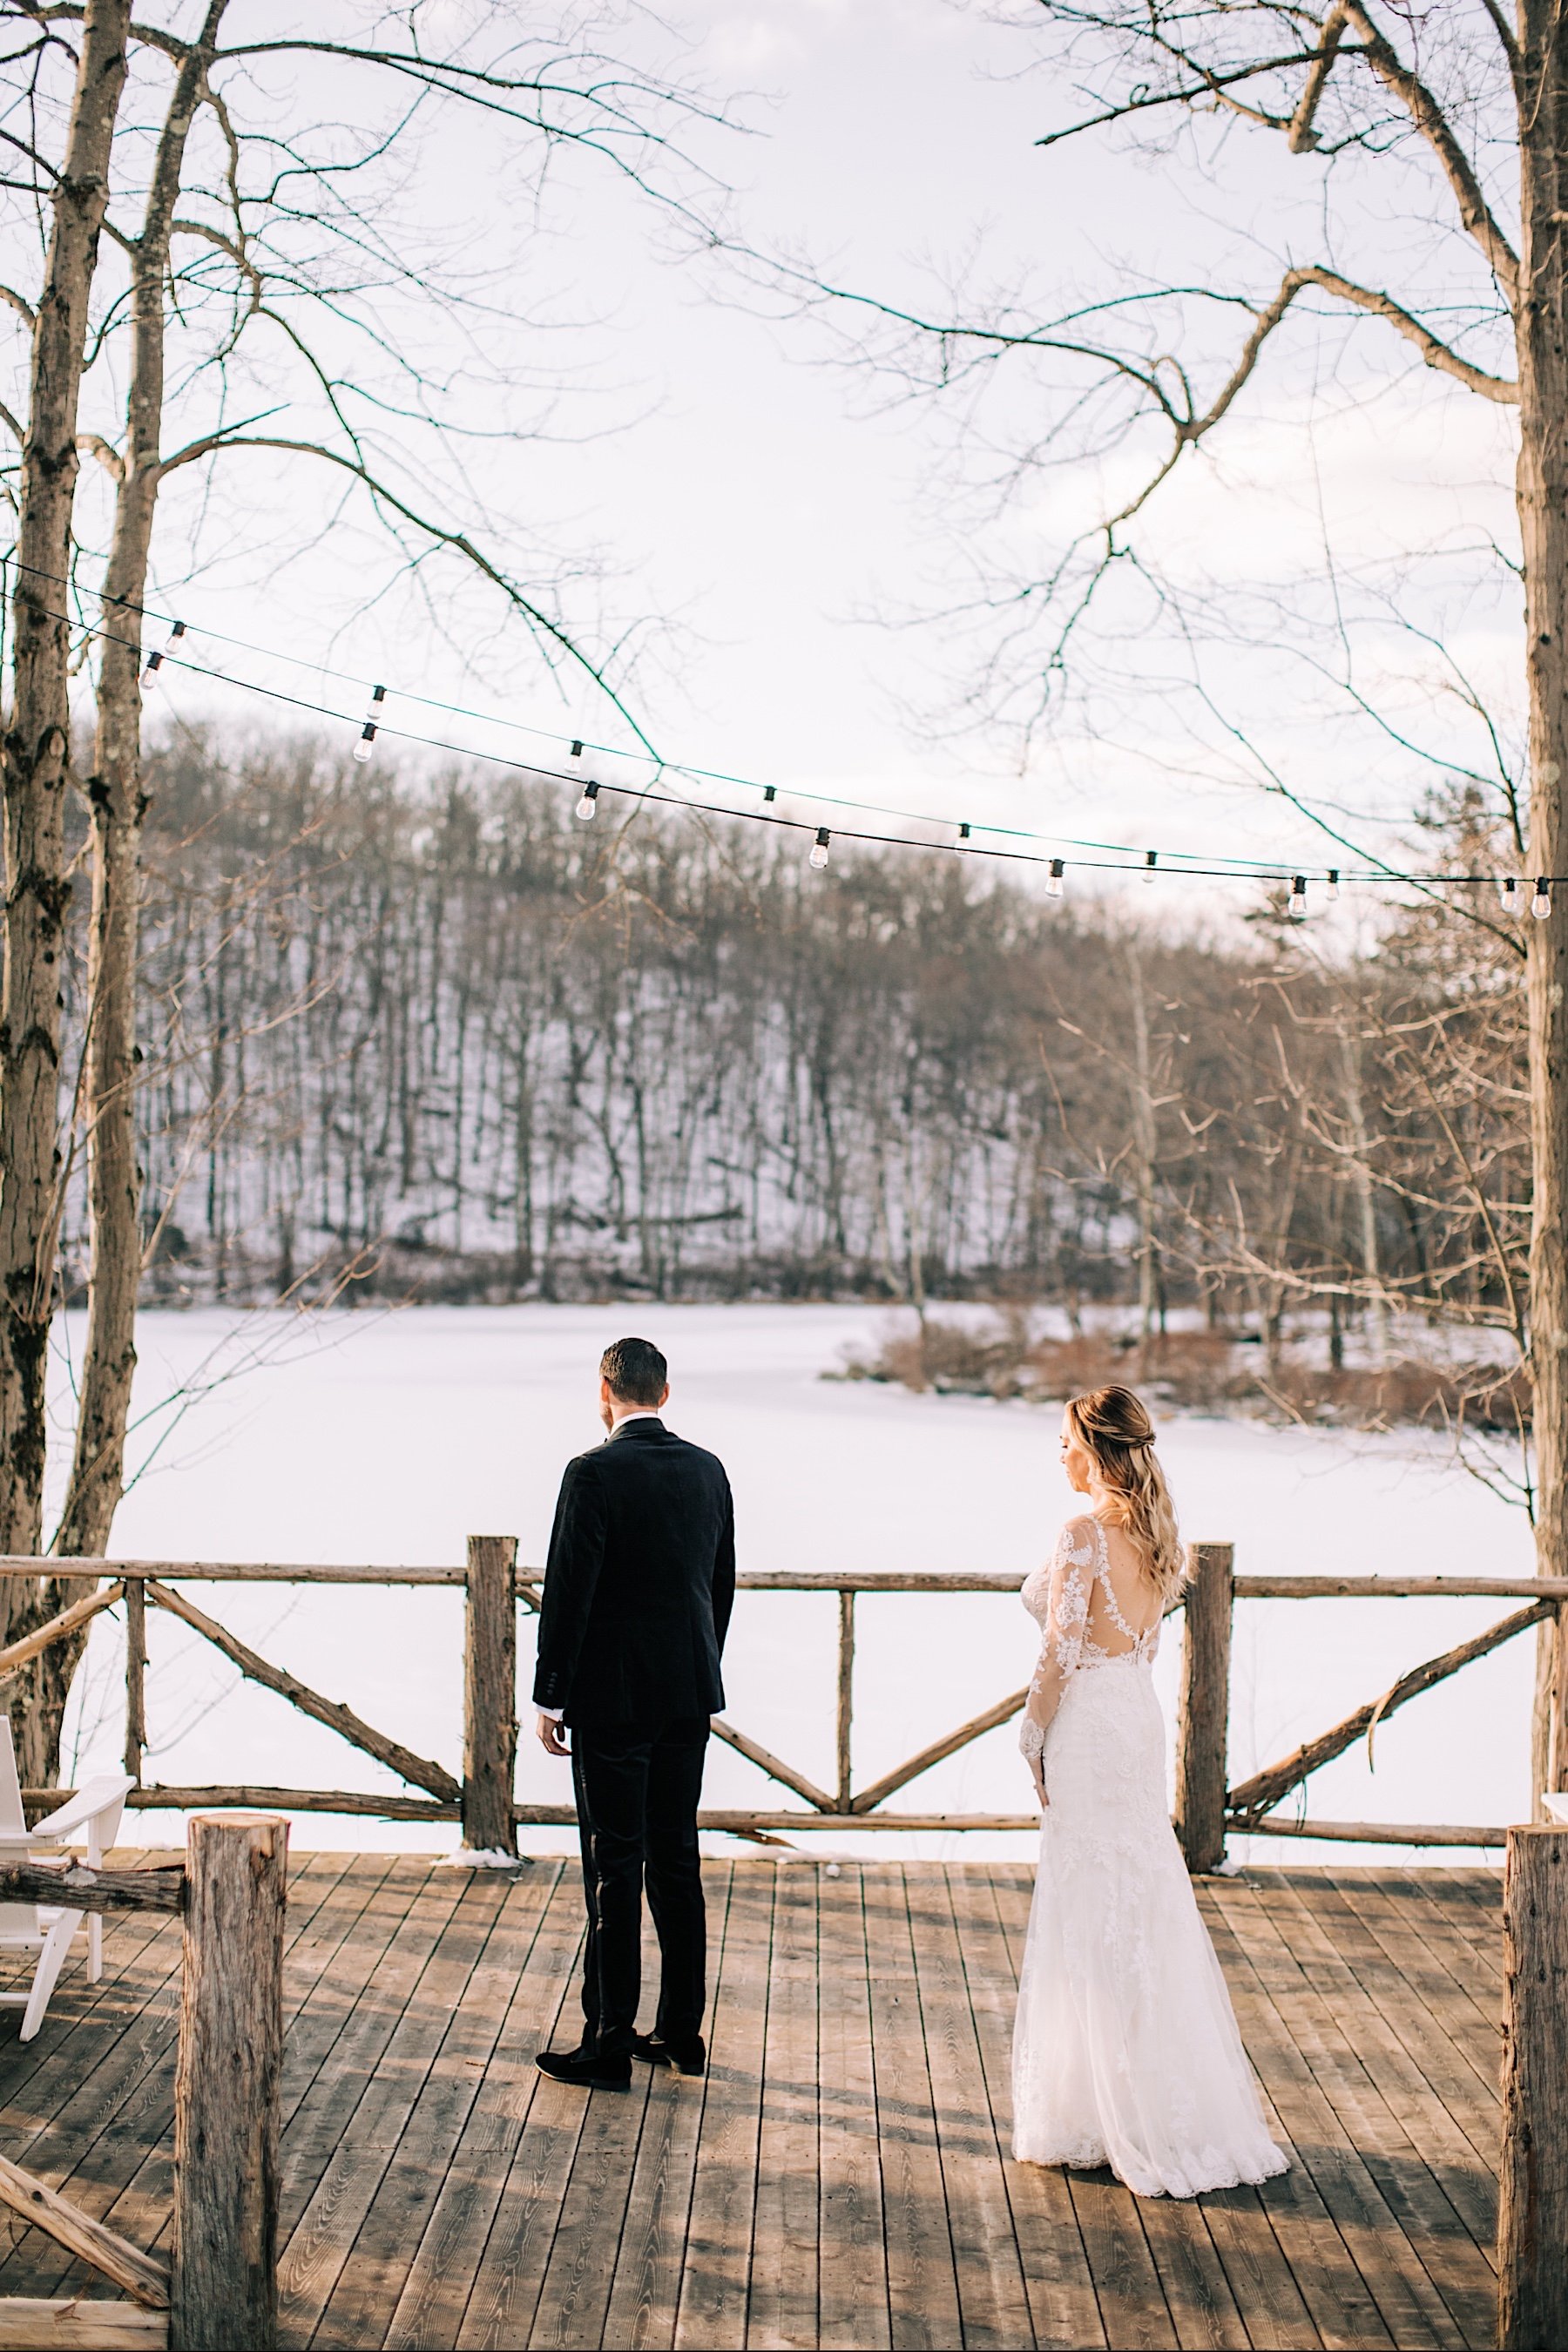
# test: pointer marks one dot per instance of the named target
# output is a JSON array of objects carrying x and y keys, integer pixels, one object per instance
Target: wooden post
[
  {"x": 135, "y": 1676},
  {"x": 1532, "y": 2210},
  {"x": 223, "y": 2288},
  {"x": 489, "y": 1697},
  {"x": 846, "y": 1692},
  {"x": 1202, "y": 1720}
]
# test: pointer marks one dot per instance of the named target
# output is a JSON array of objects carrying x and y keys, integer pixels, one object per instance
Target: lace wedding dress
[{"x": 1126, "y": 2050}]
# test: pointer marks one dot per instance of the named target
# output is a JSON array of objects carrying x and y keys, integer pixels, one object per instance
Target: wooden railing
[
  {"x": 218, "y": 2282},
  {"x": 1206, "y": 1808}
]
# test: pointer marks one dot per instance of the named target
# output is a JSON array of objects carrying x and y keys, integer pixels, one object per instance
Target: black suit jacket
[{"x": 640, "y": 1582}]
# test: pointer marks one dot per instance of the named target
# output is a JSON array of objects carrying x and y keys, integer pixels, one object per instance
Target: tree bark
[
  {"x": 36, "y": 766},
  {"x": 119, "y": 807},
  {"x": 1542, "y": 334}
]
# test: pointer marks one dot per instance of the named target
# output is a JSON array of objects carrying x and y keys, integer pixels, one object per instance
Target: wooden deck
[{"x": 841, "y": 2179}]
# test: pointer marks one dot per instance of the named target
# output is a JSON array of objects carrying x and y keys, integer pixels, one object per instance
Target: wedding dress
[{"x": 1126, "y": 2050}]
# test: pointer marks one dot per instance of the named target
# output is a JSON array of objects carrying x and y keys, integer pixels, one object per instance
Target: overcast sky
[{"x": 765, "y": 502}]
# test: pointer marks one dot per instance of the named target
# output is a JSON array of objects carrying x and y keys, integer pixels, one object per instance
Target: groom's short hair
[{"x": 637, "y": 1372}]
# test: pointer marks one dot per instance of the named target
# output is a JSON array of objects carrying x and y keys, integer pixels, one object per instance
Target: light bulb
[
  {"x": 1299, "y": 896},
  {"x": 963, "y": 834},
  {"x": 585, "y": 805},
  {"x": 1541, "y": 905},
  {"x": 1054, "y": 880},
  {"x": 770, "y": 793},
  {"x": 575, "y": 754},
  {"x": 366, "y": 743},
  {"x": 1508, "y": 892},
  {"x": 819, "y": 848},
  {"x": 1150, "y": 859},
  {"x": 1332, "y": 891},
  {"x": 155, "y": 660}
]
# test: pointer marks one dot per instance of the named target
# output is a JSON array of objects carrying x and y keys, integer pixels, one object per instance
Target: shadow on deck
[{"x": 841, "y": 2179}]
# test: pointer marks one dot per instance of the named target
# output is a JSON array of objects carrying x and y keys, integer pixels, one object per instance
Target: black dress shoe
[
  {"x": 685, "y": 2057},
  {"x": 584, "y": 2069}
]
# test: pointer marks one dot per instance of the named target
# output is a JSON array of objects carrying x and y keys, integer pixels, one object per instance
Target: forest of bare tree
[{"x": 440, "y": 1039}]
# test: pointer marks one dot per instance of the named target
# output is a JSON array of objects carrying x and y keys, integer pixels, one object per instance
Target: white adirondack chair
[{"x": 41, "y": 1928}]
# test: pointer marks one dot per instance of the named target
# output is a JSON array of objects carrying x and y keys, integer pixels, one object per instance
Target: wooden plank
[
  {"x": 504, "y": 2288},
  {"x": 1063, "y": 2305},
  {"x": 76, "y": 2324},
  {"x": 852, "y": 2280},
  {"x": 1196, "y": 2290},
  {"x": 1439, "y": 1971},
  {"x": 373, "y": 2277},
  {"x": 1440, "y": 2073},
  {"x": 1345, "y": 2046},
  {"x": 1362, "y": 2279},
  {"x": 351, "y": 2012},
  {"x": 1133, "y": 2307},
  {"x": 712, "y": 2308},
  {"x": 922, "y": 2284},
  {"x": 483, "y": 2166},
  {"x": 344, "y": 2141},
  {"x": 782, "y": 2302},
  {"x": 1105, "y": 2214},
  {"x": 993, "y": 2303},
  {"x": 579, "y": 2274},
  {"x": 645, "y": 2294}
]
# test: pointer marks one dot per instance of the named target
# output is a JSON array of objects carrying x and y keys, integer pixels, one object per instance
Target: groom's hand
[{"x": 550, "y": 1740}]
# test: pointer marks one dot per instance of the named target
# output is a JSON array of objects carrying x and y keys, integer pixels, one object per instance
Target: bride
[{"x": 1126, "y": 2051}]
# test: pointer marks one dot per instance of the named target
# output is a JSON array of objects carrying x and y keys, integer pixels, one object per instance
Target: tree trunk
[
  {"x": 119, "y": 806},
  {"x": 1144, "y": 1142},
  {"x": 1543, "y": 495},
  {"x": 36, "y": 765}
]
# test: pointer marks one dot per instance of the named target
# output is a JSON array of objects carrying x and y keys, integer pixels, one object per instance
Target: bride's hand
[{"x": 1038, "y": 1778}]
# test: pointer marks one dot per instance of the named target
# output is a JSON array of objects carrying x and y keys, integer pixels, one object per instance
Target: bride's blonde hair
[{"x": 1118, "y": 1435}]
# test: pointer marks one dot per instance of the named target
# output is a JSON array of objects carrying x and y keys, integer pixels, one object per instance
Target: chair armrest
[{"x": 99, "y": 1796}]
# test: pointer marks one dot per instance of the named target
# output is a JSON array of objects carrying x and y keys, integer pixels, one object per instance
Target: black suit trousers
[{"x": 637, "y": 1786}]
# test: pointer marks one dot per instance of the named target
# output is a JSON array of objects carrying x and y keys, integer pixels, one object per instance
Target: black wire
[{"x": 1232, "y": 873}]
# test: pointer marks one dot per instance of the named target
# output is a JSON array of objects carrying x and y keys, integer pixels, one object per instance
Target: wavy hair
[{"x": 1115, "y": 1431}]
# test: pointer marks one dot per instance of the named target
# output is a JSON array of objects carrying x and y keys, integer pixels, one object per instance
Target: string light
[
  {"x": 1507, "y": 893},
  {"x": 156, "y": 658},
  {"x": 1298, "y": 898},
  {"x": 366, "y": 743},
  {"x": 1113, "y": 858},
  {"x": 819, "y": 848},
  {"x": 585, "y": 805}
]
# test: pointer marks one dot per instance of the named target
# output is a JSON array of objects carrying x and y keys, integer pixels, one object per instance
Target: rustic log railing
[
  {"x": 1206, "y": 1810},
  {"x": 218, "y": 2282}
]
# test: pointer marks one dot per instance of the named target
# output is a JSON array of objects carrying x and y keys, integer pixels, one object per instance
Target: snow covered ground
[{"x": 390, "y": 1437}]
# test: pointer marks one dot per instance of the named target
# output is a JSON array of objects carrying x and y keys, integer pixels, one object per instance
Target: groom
[{"x": 637, "y": 1591}]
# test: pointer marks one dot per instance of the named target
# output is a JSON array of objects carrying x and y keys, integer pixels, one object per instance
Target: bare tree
[
  {"x": 256, "y": 245},
  {"x": 1455, "y": 95}
]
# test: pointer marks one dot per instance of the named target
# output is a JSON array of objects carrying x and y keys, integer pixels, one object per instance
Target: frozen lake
[{"x": 390, "y": 1438}]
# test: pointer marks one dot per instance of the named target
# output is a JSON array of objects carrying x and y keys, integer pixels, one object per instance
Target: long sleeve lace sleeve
[{"x": 1062, "y": 1646}]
